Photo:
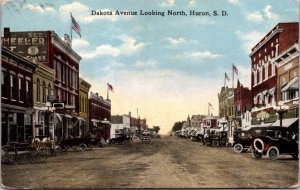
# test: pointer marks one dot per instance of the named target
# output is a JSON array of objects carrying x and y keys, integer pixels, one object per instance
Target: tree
[
  {"x": 156, "y": 129},
  {"x": 177, "y": 126}
]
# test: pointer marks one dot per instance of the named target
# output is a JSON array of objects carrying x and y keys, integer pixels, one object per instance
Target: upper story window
[
  {"x": 38, "y": 90},
  {"x": 28, "y": 90},
  {"x": 49, "y": 89},
  {"x": 13, "y": 92},
  {"x": 44, "y": 92},
  {"x": 21, "y": 90},
  {"x": 4, "y": 84}
]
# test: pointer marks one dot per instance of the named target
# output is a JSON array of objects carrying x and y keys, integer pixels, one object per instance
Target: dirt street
[{"x": 168, "y": 162}]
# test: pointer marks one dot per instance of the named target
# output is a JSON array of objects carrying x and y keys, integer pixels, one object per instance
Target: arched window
[
  {"x": 38, "y": 90},
  {"x": 44, "y": 92}
]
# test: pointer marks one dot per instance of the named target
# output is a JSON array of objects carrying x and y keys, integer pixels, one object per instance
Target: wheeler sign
[{"x": 31, "y": 45}]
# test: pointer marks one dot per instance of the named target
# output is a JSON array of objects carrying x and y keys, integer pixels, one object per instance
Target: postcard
[{"x": 149, "y": 94}]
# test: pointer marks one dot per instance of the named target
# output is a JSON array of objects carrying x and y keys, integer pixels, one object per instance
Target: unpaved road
[{"x": 168, "y": 162}]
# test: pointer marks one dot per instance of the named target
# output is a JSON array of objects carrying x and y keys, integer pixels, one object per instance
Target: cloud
[
  {"x": 147, "y": 64},
  {"x": 255, "y": 16},
  {"x": 167, "y": 3},
  {"x": 235, "y": 2},
  {"x": 192, "y": 3},
  {"x": 84, "y": 15},
  {"x": 250, "y": 39},
  {"x": 101, "y": 50},
  {"x": 265, "y": 15},
  {"x": 79, "y": 43},
  {"x": 177, "y": 41},
  {"x": 269, "y": 14},
  {"x": 39, "y": 8},
  {"x": 128, "y": 46},
  {"x": 197, "y": 55}
]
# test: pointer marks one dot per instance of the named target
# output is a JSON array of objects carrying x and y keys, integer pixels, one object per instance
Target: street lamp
[
  {"x": 48, "y": 109},
  {"x": 281, "y": 109}
]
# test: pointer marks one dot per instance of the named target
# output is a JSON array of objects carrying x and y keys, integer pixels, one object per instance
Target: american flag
[
  {"x": 75, "y": 26},
  {"x": 235, "y": 70},
  {"x": 110, "y": 87},
  {"x": 226, "y": 77}
]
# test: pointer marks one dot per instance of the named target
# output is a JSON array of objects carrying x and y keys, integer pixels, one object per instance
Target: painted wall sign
[{"x": 31, "y": 45}]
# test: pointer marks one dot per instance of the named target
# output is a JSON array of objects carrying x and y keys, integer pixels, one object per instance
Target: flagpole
[
  {"x": 225, "y": 81},
  {"x": 71, "y": 28},
  {"x": 107, "y": 94},
  {"x": 232, "y": 77},
  {"x": 208, "y": 109}
]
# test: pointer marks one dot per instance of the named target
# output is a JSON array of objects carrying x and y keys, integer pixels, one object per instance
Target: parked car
[
  {"x": 146, "y": 137},
  {"x": 274, "y": 141},
  {"x": 242, "y": 140},
  {"x": 216, "y": 138}
]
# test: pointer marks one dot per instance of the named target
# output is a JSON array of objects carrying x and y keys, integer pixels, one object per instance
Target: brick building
[
  {"x": 16, "y": 97},
  {"x": 264, "y": 69},
  {"x": 99, "y": 115},
  {"x": 242, "y": 104},
  {"x": 288, "y": 81}
]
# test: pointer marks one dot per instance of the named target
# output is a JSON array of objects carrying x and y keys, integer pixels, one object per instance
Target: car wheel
[
  {"x": 256, "y": 154},
  {"x": 82, "y": 146},
  {"x": 100, "y": 144},
  {"x": 215, "y": 143},
  {"x": 295, "y": 156},
  {"x": 273, "y": 152},
  {"x": 259, "y": 145},
  {"x": 238, "y": 148}
]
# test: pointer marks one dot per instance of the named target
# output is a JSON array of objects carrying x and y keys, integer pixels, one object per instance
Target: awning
[
  {"x": 79, "y": 118},
  {"x": 285, "y": 122},
  {"x": 59, "y": 116},
  {"x": 271, "y": 91},
  {"x": 293, "y": 84},
  {"x": 68, "y": 116}
]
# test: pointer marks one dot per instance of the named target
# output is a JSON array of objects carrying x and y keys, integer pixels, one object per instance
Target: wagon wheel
[
  {"x": 8, "y": 154},
  {"x": 43, "y": 153},
  {"x": 32, "y": 153}
]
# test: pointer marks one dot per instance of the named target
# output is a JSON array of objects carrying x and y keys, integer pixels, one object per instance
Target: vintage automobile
[
  {"x": 82, "y": 143},
  {"x": 241, "y": 140},
  {"x": 146, "y": 138},
  {"x": 215, "y": 138},
  {"x": 274, "y": 141}
]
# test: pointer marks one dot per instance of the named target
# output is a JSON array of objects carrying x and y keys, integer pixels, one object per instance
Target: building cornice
[
  {"x": 287, "y": 55},
  {"x": 265, "y": 40},
  {"x": 61, "y": 45}
]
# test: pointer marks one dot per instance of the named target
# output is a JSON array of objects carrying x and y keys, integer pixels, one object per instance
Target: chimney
[
  {"x": 97, "y": 94},
  {"x": 6, "y": 32},
  {"x": 67, "y": 40}
]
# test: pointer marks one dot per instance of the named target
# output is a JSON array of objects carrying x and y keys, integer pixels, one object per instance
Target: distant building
[
  {"x": 120, "y": 124},
  {"x": 99, "y": 115},
  {"x": 264, "y": 70},
  {"x": 242, "y": 104},
  {"x": 16, "y": 97},
  {"x": 196, "y": 120},
  {"x": 226, "y": 102}
]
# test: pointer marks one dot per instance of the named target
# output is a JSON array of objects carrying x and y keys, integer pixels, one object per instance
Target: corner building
[
  {"x": 47, "y": 48},
  {"x": 264, "y": 69}
]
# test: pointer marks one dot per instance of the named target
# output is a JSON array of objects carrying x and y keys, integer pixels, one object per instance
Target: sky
[{"x": 162, "y": 68}]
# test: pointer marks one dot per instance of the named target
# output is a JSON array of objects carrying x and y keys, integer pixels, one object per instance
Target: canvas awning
[
  {"x": 59, "y": 117},
  {"x": 293, "y": 84},
  {"x": 285, "y": 122}
]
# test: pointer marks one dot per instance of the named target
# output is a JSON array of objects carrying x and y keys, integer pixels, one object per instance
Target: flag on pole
[
  {"x": 75, "y": 26},
  {"x": 226, "y": 77},
  {"x": 210, "y": 105},
  {"x": 110, "y": 87},
  {"x": 234, "y": 69}
]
